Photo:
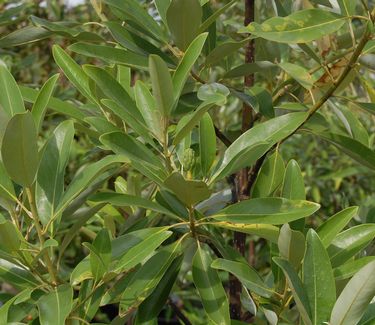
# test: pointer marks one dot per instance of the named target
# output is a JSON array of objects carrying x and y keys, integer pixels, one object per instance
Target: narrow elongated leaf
[
  {"x": 11, "y": 101},
  {"x": 14, "y": 274},
  {"x": 291, "y": 245},
  {"x": 184, "y": 18},
  {"x": 207, "y": 143},
  {"x": 331, "y": 227},
  {"x": 147, "y": 278},
  {"x": 300, "y": 27},
  {"x": 72, "y": 71},
  {"x": 300, "y": 74},
  {"x": 246, "y": 274},
  {"x": 55, "y": 307},
  {"x": 318, "y": 279},
  {"x": 263, "y": 136},
  {"x": 141, "y": 251},
  {"x": 111, "y": 88},
  {"x": 151, "y": 307},
  {"x": 41, "y": 103},
  {"x": 211, "y": 291},
  {"x": 223, "y": 50},
  {"x": 348, "y": 269},
  {"x": 355, "y": 298},
  {"x": 266, "y": 211},
  {"x": 111, "y": 54},
  {"x": 10, "y": 237},
  {"x": 249, "y": 68},
  {"x": 186, "y": 64},
  {"x": 101, "y": 257},
  {"x": 19, "y": 149},
  {"x": 350, "y": 242},
  {"x": 269, "y": 177},
  {"x": 162, "y": 7},
  {"x": 162, "y": 87},
  {"x": 50, "y": 179},
  {"x": 298, "y": 290}
]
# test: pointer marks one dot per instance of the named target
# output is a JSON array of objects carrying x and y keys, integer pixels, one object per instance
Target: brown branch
[
  {"x": 222, "y": 137},
  {"x": 179, "y": 313}
]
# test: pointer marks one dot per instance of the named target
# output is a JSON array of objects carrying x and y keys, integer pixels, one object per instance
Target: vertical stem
[
  {"x": 192, "y": 221},
  {"x": 34, "y": 212},
  {"x": 242, "y": 184}
]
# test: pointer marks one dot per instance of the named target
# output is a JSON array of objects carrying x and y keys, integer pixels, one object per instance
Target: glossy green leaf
[
  {"x": 41, "y": 103},
  {"x": 111, "y": 88},
  {"x": 72, "y": 71},
  {"x": 300, "y": 27},
  {"x": 101, "y": 256},
  {"x": 266, "y": 211},
  {"x": 186, "y": 64},
  {"x": 147, "y": 277},
  {"x": 349, "y": 242},
  {"x": 141, "y": 251},
  {"x": 246, "y": 274},
  {"x": 19, "y": 149},
  {"x": 328, "y": 230},
  {"x": 355, "y": 298},
  {"x": 16, "y": 275},
  {"x": 318, "y": 279},
  {"x": 24, "y": 35},
  {"x": 55, "y": 306},
  {"x": 207, "y": 143},
  {"x": 347, "y": 7},
  {"x": 10, "y": 237},
  {"x": 6, "y": 185},
  {"x": 111, "y": 54},
  {"x": 254, "y": 143},
  {"x": 300, "y": 74},
  {"x": 162, "y": 7},
  {"x": 81, "y": 272},
  {"x": 189, "y": 192},
  {"x": 211, "y": 291},
  {"x": 162, "y": 86},
  {"x": 223, "y": 50},
  {"x": 249, "y": 68},
  {"x": 189, "y": 121},
  {"x": 184, "y": 18},
  {"x": 298, "y": 290},
  {"x": 50, "y": 178},
  {"x": 348, "y": 269},
  {"x": 11, "y": 101},
  {"x": 270, "y": 176},
  {"x": 291, "y": 245},
  {"x": 155, "y": 302}
]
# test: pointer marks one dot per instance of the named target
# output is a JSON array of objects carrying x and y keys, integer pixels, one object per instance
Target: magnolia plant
[{"x": 177, "y": 190}]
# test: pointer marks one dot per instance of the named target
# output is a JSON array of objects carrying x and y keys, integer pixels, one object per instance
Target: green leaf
[
  {"x": 189, "y": 121},
  {"x": 207, "y": 143},
  {"x": 16, "y": 275},
  {"x": 111, "y": 54},
  {"x": 270, "y": 176},
  {"x": 147, "y": 278},
  {"x": 300, "y": 74},
  {"x": 186, "y": 64},
  {"x": 184, "y": 18},
  {"x": 101, "y": 256},
  {"x": 249, "y": 68},
  {"x": 268, "y": 232},
  {"x": 347, "y": 7},
  {"x": 134, "y": 11},
  {"x": 298, "y": 290},
  {"x": 291, "y": 245},
  {"x": 6, "y": 185},
  {"x": 328, "y": 230},
  {"x": 25, "y": 35},
  {"x": 254, "y": 143},
  {"x": 141, "y": 251},
  {"x": 349, "y": 242},
  {"x": 189, "y": 192},
  {"x": 355, "y": 298},
  {"x": 55, "y": 307},
  {"x": 121, "y": 199},
  {"x": 208, "y": 284},
  {"x": 348, "y": 269},
  {"x": 72, "y": 71},
  {"x": 266, "y": 211},
  {"x": 81, "y": 272},
  {"x": 50, "y": 178},
  {"x": 113, "y": 90},
  {"x": 155, "y": 302},
  {"x": 318, "y": 279},
  {"x": 220, "y": 52},
  {"x": 19, "y": 149},
  {"x": 11, "y": 101},
  {"x": 300, "y": 27},
  {"x": 162, "y": 86},
  {"x": 246, "y": 274},
  {"x": 10, "y": 237},
  {"x": 41, "y": 103},
  {"x": 162, "y": 7}
]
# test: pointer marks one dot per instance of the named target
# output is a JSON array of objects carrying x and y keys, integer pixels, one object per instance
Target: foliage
[{"x": 141, "y": 227}]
